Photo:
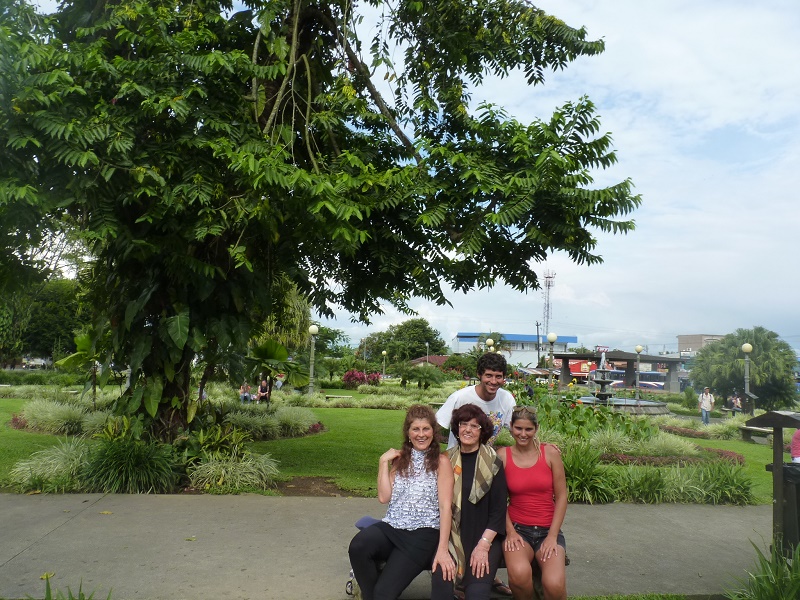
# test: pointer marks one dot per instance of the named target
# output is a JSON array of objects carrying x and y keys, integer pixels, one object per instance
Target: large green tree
[
  {"x": 720, "y": 365},
  {"x": 56, "y": 317},
  {"x": 209, "y": 156},
  {"x": 404, "y": 341}
]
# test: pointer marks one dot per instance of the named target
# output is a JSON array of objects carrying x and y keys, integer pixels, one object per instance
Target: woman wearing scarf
[{"x": 479, "y": 509}]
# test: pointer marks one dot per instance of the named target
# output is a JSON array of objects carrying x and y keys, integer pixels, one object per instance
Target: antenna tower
[{"x": 549, "y": 282}]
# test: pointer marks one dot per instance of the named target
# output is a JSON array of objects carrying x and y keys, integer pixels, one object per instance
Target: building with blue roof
[{"x": 525, "y": 349}]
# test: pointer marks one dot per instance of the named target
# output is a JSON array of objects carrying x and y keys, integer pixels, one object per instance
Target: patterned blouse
[{"x": 415, "y": 499}]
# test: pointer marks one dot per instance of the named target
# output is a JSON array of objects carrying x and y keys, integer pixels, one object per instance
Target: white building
[{"x": 525, "y": 348}]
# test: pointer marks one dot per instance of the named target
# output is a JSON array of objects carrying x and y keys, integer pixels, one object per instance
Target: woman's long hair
[{"x": 403, "y": 462}]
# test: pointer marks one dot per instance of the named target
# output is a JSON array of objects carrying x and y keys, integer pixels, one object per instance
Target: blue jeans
[{"x": 704, "y": 415}]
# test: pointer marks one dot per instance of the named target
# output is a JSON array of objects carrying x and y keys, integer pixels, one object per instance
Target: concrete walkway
[{"x": 208, "y": 547}]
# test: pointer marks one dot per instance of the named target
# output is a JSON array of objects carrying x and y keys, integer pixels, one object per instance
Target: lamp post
[
  {"x": 489, "y": 345},
  {"x": 638, "y": 353},
  {"x": 551, "y": 337},
  {"x": 427, "y": 352},
  {"x": 313, "y": 330},
  {"x": 747, "y": 349},
  {"x": 383, "y": 352}
]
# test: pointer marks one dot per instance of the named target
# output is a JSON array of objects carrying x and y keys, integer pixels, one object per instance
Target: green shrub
[
  {"x": 586, "y": 482},
  {"x": 611, "y": 441},
  {"x": 665, "y": 444},
  {"x": 260, "y": 426},
  {"x": 645, "y": 485},
  {"x": 776, "y": 577},
  {"x": 294, "y": 421},
  {"x": 690, "y": 398},
  {"x": 129, "y": 466},
  {"x": 54, "y": 417},
  {"x": 724, "y": 483},
  {"x": 95, "y": 421},
  {"x": 681, "y": 486},
  {"x": 252, "y": 472},
  {"x": 52, "y": 470},
  {"x": 218, "y": 442}
]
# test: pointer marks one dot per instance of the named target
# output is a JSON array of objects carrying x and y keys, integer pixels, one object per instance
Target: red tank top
[{"x": 530, "y": 492}]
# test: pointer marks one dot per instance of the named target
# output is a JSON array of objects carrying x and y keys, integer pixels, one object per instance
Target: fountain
[{"x": 630, "y": 405}]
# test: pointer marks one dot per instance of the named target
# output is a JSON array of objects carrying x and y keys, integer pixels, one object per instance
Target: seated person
[{"x": 537, "y": 491}]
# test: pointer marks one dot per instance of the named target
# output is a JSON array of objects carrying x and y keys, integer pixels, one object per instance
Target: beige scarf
[{"x": 487, "y": 466}]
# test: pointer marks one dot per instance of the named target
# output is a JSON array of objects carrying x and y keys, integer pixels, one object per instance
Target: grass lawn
[
  {"x": 347, "y": 452},
  {"x": 15, "y": 444}
]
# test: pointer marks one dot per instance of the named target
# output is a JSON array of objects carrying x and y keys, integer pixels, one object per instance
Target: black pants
[
  {"x": 475, "y": 588},
  {"x": 370, "y": 547}
]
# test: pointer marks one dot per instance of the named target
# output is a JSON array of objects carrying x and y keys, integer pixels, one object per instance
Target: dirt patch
[{"x": 309, "y": 486}]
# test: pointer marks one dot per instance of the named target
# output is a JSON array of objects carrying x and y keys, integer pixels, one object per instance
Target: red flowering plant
[{"x": 353, "y": 378}]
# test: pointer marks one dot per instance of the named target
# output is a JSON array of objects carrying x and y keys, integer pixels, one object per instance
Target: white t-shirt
[{"x": 499, "y": 410}]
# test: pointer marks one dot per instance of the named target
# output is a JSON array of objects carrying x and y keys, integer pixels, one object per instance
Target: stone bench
[
  {"x": 749, "y": 432},
  {"x": 328, "y": 396}
]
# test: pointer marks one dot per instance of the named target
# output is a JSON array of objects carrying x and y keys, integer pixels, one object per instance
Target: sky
[{"x": 701, "y": 99}]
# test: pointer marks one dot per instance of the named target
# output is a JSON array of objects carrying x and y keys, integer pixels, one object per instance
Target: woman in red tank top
[{"x": 537, "y": 490}]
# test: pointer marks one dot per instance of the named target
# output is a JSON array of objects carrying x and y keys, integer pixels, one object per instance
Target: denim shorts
[{"x": 535, "y": 535}]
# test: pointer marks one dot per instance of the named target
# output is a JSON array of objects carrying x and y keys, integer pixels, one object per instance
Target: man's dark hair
[{"x": 492, "y": 361}]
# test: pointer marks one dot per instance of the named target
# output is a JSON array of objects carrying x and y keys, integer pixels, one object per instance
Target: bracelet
[{"x": 483, "y": 539}]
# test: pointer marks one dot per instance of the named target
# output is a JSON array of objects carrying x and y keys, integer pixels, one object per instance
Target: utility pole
[
  {"x": 549, "y": 282},
  {"x": 538, "y": 346}
]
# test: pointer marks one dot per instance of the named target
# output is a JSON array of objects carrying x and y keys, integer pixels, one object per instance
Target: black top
[{"x": 488, "y": 513}]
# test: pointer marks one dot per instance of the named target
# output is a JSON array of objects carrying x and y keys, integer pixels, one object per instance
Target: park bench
[
  {"x": 749, "y": 432},
  {"x": 329, "y": 396}
]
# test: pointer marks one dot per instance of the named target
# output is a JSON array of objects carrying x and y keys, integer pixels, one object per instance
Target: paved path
[{"x": 201, "y": 547}]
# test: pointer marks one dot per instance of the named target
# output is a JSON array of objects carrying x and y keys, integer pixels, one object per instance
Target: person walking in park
[
  {"x": 417, "y": 483},
  {"x": 705, "y": 403},
  {"x": 479, "y": 509},
  {"x": 537, "y": 491}
]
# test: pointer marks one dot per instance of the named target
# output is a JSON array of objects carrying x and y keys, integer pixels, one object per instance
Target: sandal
[{"x": 501, "y": 588}]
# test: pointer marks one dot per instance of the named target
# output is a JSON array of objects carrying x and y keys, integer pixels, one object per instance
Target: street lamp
[
  {"x": 747, "y": 349},
  {"x": 551, "y": 337},
  {"x": 383, "y": 352},
  {"x": 313, "y": 330},
  {"x": 489, "y": 345},
  {"x": 427, "y": 352},
  {"x": 638, "y": 353}
]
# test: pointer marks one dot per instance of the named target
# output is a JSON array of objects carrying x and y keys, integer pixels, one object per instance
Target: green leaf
[
  {"x": 152, "y": 395},
  {"x": 178, "y": 328}
]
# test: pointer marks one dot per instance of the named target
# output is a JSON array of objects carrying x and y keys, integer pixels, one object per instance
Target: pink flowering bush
[{"x": 353, "y": 378}]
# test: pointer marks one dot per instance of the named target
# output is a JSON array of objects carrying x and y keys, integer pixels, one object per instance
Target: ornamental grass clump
[
  {"x": 666, "y": 444},
  {"x": 52, "y": 470},
  {"x": 54, "y": 417},
  {"x": 129, "y": 466},
  {"x": 261, "y": 426},
  {"x": 95, "y": 421},
  {"x": 252, "y": 472},
  {"x": 394, "y": 402},
  {"x": 294, "y": 421},
  {"x": 611, "y": 441}
]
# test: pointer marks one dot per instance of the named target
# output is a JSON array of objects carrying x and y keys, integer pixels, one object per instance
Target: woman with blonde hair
[{"x": 537, "y": 491}]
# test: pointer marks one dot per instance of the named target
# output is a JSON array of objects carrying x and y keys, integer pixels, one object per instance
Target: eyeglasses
[{"x": 471, "y": 426}]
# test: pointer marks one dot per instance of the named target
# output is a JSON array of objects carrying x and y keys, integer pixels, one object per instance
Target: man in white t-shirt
[
  {"x": 705, "y": 404},
  {"x": 488, "y": 394}
]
